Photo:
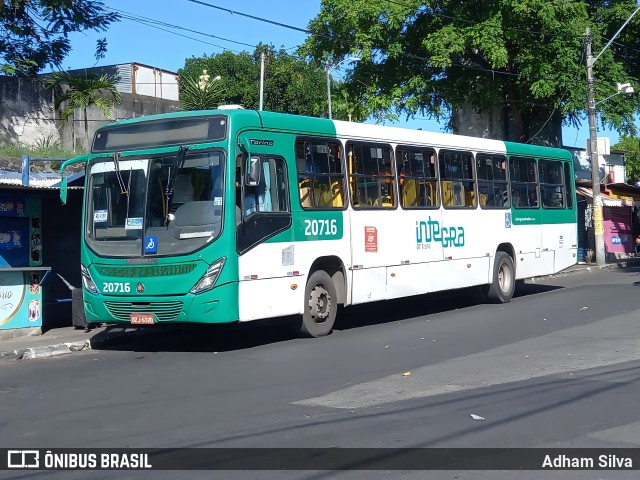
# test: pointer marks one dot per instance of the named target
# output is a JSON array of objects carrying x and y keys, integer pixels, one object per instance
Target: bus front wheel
[
  {"x": 504, "y": 280},
  {"x": 320, "y": 306}
]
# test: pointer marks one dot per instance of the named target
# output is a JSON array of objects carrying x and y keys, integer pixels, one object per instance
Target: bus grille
[
  {"x": 164, "y": 311},
  {"x": 146, "y": 271}
]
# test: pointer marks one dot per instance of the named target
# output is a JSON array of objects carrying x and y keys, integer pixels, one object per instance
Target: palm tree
[{"x": 83, "y": 92}]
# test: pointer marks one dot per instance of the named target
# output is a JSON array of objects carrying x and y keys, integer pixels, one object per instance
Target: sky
[{"x": 131, "y": 41}]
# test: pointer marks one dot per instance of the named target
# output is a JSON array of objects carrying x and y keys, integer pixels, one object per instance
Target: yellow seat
[
  {"x": 410, "y": 193},
  {"x": 337, "y": 194},
  {"x": 305, "y": 194}
]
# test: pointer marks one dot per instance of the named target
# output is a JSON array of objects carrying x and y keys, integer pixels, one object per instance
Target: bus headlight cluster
[
  {"x": 209, "y": 278},
  {"x": 87, "y": 281}
]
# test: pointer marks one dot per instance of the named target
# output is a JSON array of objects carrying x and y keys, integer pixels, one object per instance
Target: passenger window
[
  {"x": 417, "y": 177},
  {"x": 320, "y": 175},
  {"x": 456, "y": 179},
  {"x": 371, "y": 176},
  {"x": 493, "y": 189},
  {"x": 551, "y": 184},
  {"x": 568, "y": 183},
  {"x": 524, "y": 186}
]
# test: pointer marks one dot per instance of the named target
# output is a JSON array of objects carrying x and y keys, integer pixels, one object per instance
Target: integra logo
[{"x": 432, "y": 231}]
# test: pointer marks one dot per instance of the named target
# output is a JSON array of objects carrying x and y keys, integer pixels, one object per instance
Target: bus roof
[{"x": 313, "y": 125}]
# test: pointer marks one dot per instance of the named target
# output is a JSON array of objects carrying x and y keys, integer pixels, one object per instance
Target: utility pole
[
  {"x": 261, "y": 79},
  {"x": 329, "y": 90},
  {"x": 598, "y": 227}
]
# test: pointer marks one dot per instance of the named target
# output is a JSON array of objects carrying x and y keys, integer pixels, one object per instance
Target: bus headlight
[
  {"x": 87, "y": 281},
  {"x": 209, "y": 278}
]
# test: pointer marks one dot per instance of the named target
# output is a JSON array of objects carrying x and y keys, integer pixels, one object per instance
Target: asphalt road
[{"x": 557, "y": 367}]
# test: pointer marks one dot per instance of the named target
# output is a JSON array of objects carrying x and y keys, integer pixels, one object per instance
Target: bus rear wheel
[
  {"x": 504, "y": 280},
  {"x": 320, "y": 307}
]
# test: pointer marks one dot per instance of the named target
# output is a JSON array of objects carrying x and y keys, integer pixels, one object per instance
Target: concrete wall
[
  {"x": 28, "y": 116},
  {"x": 73, "y": 132},
  {"x": 27, "y": 112}
]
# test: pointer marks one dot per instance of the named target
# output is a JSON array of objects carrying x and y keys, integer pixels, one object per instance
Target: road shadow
[{"x": 240, "y": 336}]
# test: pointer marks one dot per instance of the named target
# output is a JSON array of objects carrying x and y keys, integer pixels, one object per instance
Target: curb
[
  {"x": 45, "y": 351},
  {"x": 590, "y": 268},
  {"x": 103, "y": 339}
]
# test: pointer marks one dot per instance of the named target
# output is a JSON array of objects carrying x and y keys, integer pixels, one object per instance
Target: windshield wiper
[
  {"x": 182, "y": 153},
  {"x": 116, "y": 163}
]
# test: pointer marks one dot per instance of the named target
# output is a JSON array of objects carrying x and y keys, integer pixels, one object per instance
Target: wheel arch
[
  {"x": 507, "y": 248},
  {"x": 334, "y": 267}
]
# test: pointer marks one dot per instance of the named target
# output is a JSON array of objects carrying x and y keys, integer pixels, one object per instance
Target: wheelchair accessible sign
[{"x": 150, "y": 244}]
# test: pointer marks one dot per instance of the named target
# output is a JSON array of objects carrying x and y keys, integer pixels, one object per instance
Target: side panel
[{"x": 546, "y": 238}]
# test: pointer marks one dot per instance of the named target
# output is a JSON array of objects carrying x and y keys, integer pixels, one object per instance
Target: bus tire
[
  {"x": 320, "y": 307},
  {"x": 504, "y": 280}
]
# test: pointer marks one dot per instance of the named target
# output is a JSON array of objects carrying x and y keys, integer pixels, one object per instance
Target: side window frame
[
  {"x": 425, "y": 186},
  {"x": 317, "y": 189},
  {"x": 556, "y": 189},
  {"x": 569, "y": 185},
  {"x": 517, "y": 185},
  {"x": 457, "y": 188},
  {"x": 376, "y": 186},
  {"x": 497, "y": 194}
]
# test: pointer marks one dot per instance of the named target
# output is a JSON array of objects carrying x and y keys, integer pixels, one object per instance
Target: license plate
[{"x": 142, "y": 319}]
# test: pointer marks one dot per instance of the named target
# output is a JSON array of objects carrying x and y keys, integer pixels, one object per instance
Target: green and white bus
[{"x": 236, "y": 215}]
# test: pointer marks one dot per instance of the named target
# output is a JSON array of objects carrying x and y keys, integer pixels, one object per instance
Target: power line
[
  {"x": 260, "y": 19},
  {"x": 149, "y": 22}
]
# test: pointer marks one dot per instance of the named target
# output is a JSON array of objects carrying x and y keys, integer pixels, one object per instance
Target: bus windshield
[{"x": 147, "y": 206}]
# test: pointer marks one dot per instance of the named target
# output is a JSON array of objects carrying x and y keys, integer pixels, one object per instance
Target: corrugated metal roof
[
  {"x": 607, "y": 201},
  {"x": 36, "y": 180}
]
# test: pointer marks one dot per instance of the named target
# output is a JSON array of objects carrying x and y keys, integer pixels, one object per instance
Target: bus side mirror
[
  {"x": 63, "y": 190},
  {"x": 254, "y": 169}
]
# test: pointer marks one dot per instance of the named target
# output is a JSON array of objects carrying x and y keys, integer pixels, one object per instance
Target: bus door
[
  {"x": 526, "y": 218},
  {"x": 264, "y": 218}
]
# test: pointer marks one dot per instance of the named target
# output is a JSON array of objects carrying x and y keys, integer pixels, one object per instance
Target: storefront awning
[{"x": 607, "y": 201}]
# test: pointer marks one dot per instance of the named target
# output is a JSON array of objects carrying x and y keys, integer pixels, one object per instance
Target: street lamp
[
  {"x": 333, "y": 67},
  {"x": 598, "y": 227}
]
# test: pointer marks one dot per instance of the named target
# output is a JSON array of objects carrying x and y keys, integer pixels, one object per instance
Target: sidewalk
[{"x": 59, "y": 341}]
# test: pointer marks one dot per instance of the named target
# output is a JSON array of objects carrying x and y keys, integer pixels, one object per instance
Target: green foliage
[
  {"x": 44, "y": 148},
  {"x": 291, "y": 84},
  {"x": 200, "y": 93},
  {"x": 631, "y": 148},
  {"x": 84, "y": 91},
  {"x": 34, "y": 33},
  {"x": 524, "y": 57}
]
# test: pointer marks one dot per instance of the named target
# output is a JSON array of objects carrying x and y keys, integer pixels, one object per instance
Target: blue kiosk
[{"x": 21, "y": 270}]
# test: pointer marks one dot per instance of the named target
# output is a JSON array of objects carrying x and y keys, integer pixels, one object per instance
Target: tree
[
  {"x": 631, "y": 148},
  {"x": 82, "y": 92},
  {"x": 291, "y": 84},
  {"x": 34, "y": 33},
  {"x": 519, "y": 63},
  {"x": 200, "y": 94}
]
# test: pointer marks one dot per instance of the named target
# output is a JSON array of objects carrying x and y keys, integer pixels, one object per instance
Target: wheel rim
[
  {"x": 319, "y": 304},
  {"x": 504, "y": 278}
]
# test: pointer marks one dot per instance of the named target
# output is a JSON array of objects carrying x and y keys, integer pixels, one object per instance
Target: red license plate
[{"x": 142, "y": 319}]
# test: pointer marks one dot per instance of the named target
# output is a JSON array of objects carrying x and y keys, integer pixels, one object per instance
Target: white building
[{"x": 139, "y": 78}]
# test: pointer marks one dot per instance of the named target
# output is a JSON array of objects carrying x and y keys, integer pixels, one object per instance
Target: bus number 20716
[{"x": 317, "y": 228}]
